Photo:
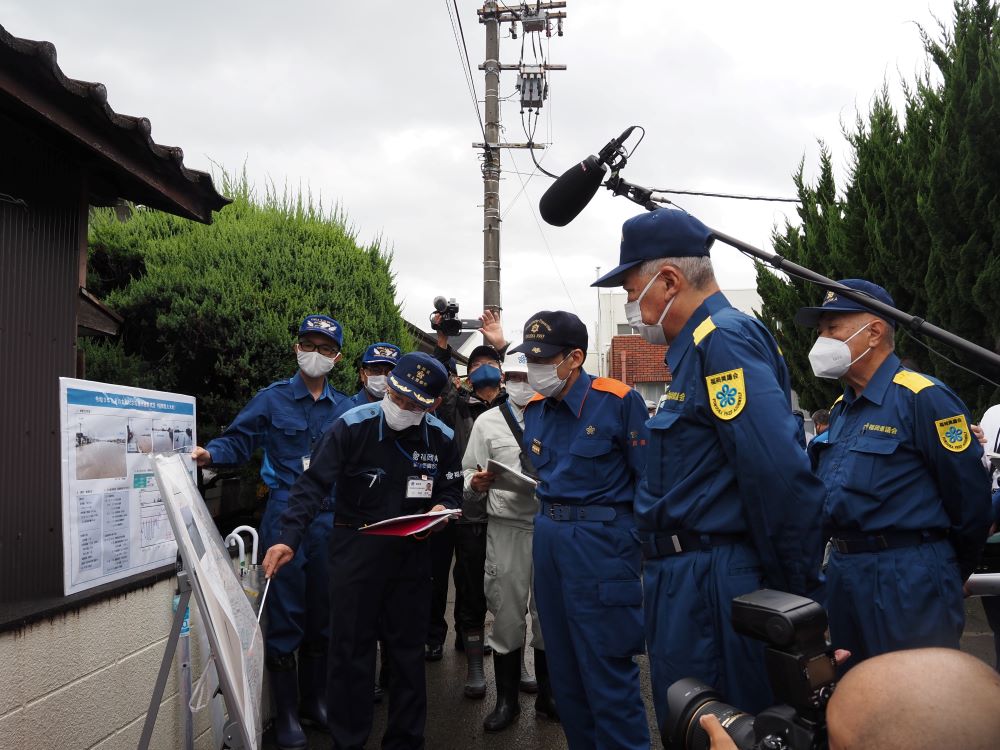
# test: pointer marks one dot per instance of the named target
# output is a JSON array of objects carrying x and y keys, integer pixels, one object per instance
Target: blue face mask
[{"x": 485, "y": 376}]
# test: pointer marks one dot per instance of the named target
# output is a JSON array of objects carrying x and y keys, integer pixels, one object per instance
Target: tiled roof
[{"x": 120, "y": 146}]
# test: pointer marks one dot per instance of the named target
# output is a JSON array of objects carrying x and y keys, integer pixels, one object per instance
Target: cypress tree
[{"x": 212, "y": 311}]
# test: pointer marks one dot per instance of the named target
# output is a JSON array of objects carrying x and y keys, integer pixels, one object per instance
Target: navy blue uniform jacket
[{"x": 371, "y": 466}]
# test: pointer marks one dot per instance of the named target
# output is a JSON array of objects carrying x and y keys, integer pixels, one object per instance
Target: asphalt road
[{"x": 455, "y": 722}]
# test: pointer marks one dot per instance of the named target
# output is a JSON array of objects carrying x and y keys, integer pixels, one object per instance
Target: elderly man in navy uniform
[
  {"x": 287, "y": 419},
  {"x": 387, "y": 459},
  {"x": 728, "y": 504},
  {"x": 907, "y": 497},
  {"x": 586, "y": 437}
]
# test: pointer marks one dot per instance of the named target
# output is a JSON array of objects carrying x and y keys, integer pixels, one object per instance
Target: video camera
[
  {"x": 451, "y": 324},
  {"x": 800, "y": 668}
]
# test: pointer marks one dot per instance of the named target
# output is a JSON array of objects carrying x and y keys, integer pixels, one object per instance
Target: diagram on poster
[{"x": 114, "y": 522}]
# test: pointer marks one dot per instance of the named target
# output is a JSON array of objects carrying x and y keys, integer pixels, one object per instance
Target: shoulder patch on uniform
[
  {"x": 610, "y": 385},
  {"x": 727, "y": 393},
  {"x": 954, "y": 433},
  {"x": 704, "y": 328},
  {"x": 839, "y": 399},
  {"x": 535, "y": 399},
  {"x": 914, "y": 381}
]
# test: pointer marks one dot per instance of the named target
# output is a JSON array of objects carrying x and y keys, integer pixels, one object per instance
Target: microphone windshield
[{"x": 570, "y": 194}]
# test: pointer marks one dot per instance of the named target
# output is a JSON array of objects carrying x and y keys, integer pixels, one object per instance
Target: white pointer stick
[{"x": 267, "y": 585}]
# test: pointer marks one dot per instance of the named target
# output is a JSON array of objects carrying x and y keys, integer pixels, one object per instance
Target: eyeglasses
[
  {"x": 327, "y": 351},
  {"x": 404, "y": 403}
]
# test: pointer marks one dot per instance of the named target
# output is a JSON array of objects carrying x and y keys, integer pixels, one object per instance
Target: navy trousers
[
  {"x": 298, "y": 601},
  {"x": 382, "y": 586},
  {"x": 589, "y": 597},
  {"x": 689, "y": 632},
  {"x": 895, "y": 599}
]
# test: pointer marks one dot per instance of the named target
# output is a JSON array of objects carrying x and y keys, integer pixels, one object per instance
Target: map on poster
[{"x": 114, "y": 522}]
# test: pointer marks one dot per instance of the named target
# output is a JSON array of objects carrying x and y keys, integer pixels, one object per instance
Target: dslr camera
[
  {"x": 451, "y": 324},
  {"x": 800, "y": 668}
]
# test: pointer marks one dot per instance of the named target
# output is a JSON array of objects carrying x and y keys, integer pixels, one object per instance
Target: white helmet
[{"x": 516, "y": 363}]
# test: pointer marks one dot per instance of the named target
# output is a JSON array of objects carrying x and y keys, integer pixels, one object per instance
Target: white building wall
[{"x": 84, "y": 679}]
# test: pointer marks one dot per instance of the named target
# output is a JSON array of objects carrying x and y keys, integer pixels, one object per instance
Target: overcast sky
[{"x": 366, "y": 104}]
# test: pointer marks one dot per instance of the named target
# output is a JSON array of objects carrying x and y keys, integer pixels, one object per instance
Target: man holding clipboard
[
  {"x": 389, "y": 458},
  {"x": 495, "y": 443}
]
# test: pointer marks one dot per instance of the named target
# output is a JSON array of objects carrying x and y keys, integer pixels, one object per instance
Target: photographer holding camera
[
  {"x": 923, "y": 699},
  {"x": 459, "y": 409}
]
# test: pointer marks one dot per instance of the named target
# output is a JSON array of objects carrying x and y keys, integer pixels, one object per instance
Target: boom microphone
[
  {"x": 570, "y": 194},
  {"x": 573, "y": 190}
]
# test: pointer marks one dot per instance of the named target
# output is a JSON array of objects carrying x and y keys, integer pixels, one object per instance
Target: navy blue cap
[
  {"x": 663, "y": 233},
  {"x": 381, "y": 353},
  {"x": 419, "y": 377},
  {"x": 323, "y": 324},
  {"x": 834, "y": 303},
  {"x": 550, "y": 332},
  {"x": 484, "y": 351}
]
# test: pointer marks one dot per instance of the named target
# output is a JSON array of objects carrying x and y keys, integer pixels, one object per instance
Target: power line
[
  {"x": 463, "y": 58},
  {"x": 545, "y": 241}
]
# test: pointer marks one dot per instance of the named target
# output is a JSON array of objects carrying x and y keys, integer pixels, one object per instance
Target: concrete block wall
[{"x": 84, "y": 679}]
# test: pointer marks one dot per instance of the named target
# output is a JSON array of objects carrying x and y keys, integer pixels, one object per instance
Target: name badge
[
  {"x": 419, "y": 488},
  {"x": 305, "y": 463}
]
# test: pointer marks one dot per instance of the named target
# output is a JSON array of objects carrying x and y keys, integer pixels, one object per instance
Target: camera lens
[{"x": 687, "y": 701}]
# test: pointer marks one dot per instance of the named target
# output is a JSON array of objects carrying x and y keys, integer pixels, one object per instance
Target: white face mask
[
  {"x": 399, "y": 418},
  {"x": 831, "y": 358},
  {"x": 545, "y": 379},
  {"x": 519, "y": 392},
  {"x": 652, "y": 333},
  {"x": 375, "y": 385},
  {"x": 314, "y": 364}
]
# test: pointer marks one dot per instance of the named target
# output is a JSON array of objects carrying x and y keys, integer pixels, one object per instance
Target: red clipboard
[{"x": 410, "y": 525}]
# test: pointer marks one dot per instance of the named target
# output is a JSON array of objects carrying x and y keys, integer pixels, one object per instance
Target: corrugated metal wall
[{"x": 39, "y": 283}]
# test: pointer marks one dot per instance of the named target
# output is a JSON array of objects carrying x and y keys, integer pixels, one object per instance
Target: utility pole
[
  {"x": 491, "y": 161},
  {"x": 535, "y": 18}
]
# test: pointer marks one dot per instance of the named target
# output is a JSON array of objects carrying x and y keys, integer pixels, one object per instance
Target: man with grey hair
[
  {"x": 728, "y": 504},
  {"x": 907, "y": 498}
]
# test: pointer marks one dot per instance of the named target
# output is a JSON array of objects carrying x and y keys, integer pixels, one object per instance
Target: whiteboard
[{"x": 227, "y": 617}]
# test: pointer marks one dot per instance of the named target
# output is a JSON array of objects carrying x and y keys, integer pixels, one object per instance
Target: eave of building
[{"x": 116, "y": 151}]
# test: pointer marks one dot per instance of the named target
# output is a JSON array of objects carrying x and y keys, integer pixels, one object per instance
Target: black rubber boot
[
  {"x": 527, "y": 684},
  {"x": 288, "y": 734},
  {"x": 507, "y": 668},
  {"x": 312, "y": 689},
  {"x": 545, "y": 704},
  {"x": 475, "y": 681}
]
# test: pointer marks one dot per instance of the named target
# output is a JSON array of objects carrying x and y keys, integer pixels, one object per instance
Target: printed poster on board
[{"x": 114, "y": 522}]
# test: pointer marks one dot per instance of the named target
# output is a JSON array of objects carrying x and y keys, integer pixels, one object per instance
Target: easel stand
[{"x": 233, "y": 732}]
